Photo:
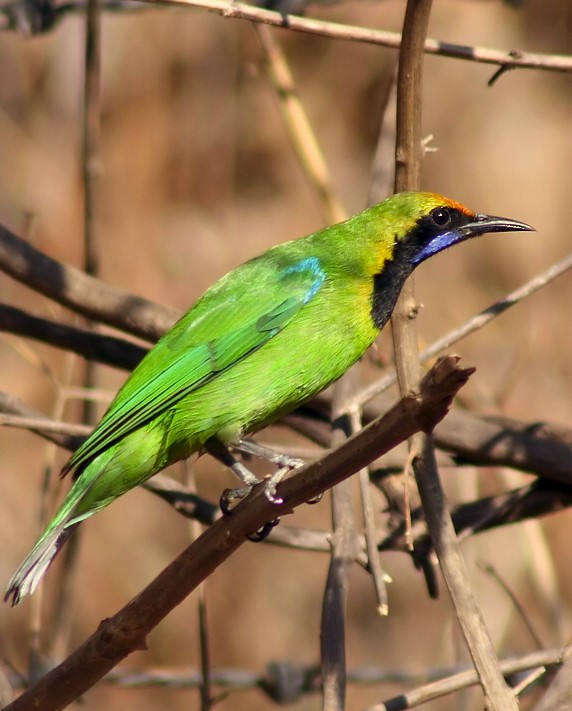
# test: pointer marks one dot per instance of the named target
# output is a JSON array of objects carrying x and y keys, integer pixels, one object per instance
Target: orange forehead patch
[{"x": 452, "y": 203}]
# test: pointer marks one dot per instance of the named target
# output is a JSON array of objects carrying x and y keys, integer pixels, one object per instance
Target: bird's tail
[{"x": 26, "y": 579}]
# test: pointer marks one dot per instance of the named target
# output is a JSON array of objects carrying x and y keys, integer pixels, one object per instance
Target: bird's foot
[
  {"x": 284, "y": 462},
  {"x": 271, "y": 481},
  {"x": 230, "y": 496}
]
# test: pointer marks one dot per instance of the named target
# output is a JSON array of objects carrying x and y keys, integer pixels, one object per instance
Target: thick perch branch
[{"x": 127, "y": 630}]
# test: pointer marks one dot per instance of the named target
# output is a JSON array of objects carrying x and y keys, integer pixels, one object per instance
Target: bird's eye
[{"x": 441, "y": 216}]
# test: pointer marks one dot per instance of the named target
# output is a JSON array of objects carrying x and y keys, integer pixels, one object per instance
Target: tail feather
[{"x": 26, "y": 579}]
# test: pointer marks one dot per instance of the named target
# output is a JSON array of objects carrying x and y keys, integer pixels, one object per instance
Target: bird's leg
[
  {"x": 220, "y": 451},
  {"x": 283, "y": 461}
]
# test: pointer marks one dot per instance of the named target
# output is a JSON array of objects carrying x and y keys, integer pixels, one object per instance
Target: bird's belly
[{"x": 268, "y": 384}]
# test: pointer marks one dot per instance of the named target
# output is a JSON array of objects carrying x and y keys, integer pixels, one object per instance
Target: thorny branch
[{"x": 42, "y": 15}]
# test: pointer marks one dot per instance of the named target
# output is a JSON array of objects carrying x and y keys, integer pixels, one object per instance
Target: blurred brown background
[{"x": 197, "y": 175}]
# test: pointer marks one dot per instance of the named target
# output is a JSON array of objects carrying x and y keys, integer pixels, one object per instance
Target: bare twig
[
  {"x": 299, "y": 129},
  {"x": 12, "y": 18},
  {"x": 456, "y": 682},
  {"x": 514, "y": 58}
]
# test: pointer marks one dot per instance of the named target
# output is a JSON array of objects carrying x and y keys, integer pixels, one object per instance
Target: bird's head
[
  {"x": 414, "y": 227},
  {"x": 427, "y": 223}
]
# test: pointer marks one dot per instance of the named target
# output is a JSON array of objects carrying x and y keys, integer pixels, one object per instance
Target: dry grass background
[{"x": 197, "y": 175}]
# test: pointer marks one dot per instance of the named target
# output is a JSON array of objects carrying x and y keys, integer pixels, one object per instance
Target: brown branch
[
  {"x": 539, "y": 499},
  {"x": 541, "y": 448},
  {"x": 344, "y": 549},
  {"x": 85, "y": 295},
  {"x": 516, "y": 58},
  {"x": 110, "y": 350},
  {"x": 127, "y": 630},
  {"x": 407, "y": 177}
]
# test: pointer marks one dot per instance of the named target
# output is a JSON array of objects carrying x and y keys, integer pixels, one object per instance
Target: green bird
[{"x": 266, "y": 337}]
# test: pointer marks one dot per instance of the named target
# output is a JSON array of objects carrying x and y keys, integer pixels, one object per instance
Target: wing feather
[{"x": 219, "y": 330}]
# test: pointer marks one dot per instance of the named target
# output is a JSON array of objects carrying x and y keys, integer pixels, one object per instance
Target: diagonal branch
[
  {"x": 83, "y": 294},
  {"x": 92, "y": 346},
  {"x": 126, "y": 631}
]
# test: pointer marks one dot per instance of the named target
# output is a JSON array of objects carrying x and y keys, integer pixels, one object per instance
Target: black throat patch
[
  {"x": 386, "y": 287},
  {"x": 389, "y": 281}
]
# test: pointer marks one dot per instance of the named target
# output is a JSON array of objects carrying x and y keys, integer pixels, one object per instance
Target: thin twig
[
  {"x": 473, "y": 324},
  {"x": 456, "y": 682},
  {"x": 378, "y": 575},
  {"x": 299, "y": 129},
  {"x": 517, "y": 59}
]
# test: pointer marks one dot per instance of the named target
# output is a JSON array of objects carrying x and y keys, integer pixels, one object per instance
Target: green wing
[{"x": 235, "y": 317}]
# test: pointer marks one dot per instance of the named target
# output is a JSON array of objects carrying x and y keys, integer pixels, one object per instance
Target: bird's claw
[
  {"x": 230, "y": 496},
  {"x": 263, "y": 532},
  {"x": 285, "y": 465}
]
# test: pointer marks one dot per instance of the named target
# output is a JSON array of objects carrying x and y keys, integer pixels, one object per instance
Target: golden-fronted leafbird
[{"x": 266, "y": 337}]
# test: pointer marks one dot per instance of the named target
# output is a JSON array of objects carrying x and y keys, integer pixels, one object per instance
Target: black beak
[
  {"x": 489, "y": 223},
  {"x": 477, "y": 225}
]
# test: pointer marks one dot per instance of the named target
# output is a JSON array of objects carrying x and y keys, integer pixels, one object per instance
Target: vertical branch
[
  {"x": 195, "y": 530},
  {"x": 498, "y": 696},
  {"x": 90, "y": 132},
  {"x": 89, "y": 172},
  {"x": 345, "y": 546},
  {"x": 90, "y": 160},
  {"x": 407, "y": 174},
  {"x": 344, "y": 538}
]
